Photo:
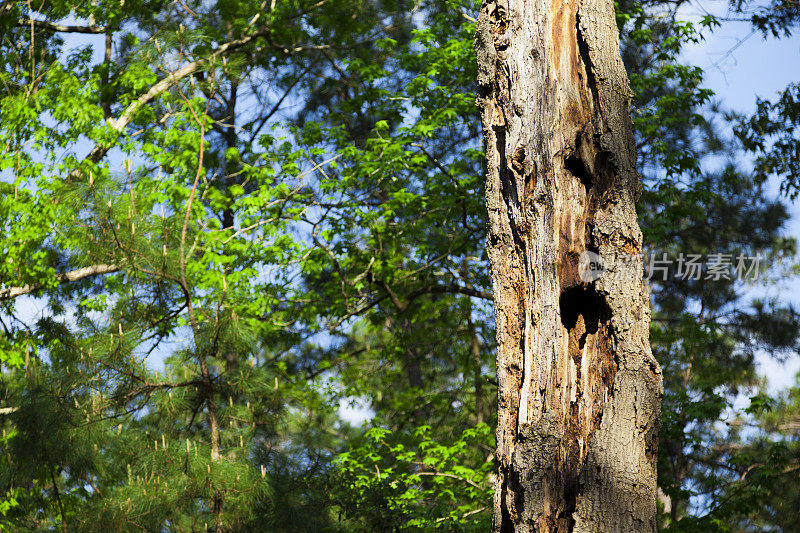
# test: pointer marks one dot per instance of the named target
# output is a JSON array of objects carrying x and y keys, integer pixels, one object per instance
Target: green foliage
[
  {"x": 773, "y": 134},
  {"x": 286, "y": 203},
  {"x": 391, "y": 482}
]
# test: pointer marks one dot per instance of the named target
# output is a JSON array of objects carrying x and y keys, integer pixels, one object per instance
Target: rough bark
[{"x": 578, "y": 388}]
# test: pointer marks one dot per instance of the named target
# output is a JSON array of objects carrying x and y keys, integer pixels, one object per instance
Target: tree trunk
[{"x": 578, "y": 388}]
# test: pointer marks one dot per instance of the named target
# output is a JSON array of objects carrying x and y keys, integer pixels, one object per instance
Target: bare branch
[
  {"x": 463, "y": 516},
  {"x": 52, "y": 26},
  {"x": 118, "y": 124},
  {"x": 401, "y": 306},
  {"x": 452, "y": 288},
  {"x": 453, "y": 476},
  {"x": 74, "y": 275}
]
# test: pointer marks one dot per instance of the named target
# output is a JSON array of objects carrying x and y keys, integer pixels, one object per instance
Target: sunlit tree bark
[{"x": 579, "y": 390}]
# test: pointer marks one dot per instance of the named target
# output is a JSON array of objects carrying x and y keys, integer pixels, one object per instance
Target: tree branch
[
  {"x": 52, "y": 26},
  {"x": 453, "y": 288},
  {"x": 453, "y": 476},
  {"x": 74, "y": 275},
  {"x": 118, "y": 124},
  {"x": 58, "y": 499}
]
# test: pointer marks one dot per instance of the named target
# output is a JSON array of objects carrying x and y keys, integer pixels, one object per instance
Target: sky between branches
[{"x": 740, "y": 65}]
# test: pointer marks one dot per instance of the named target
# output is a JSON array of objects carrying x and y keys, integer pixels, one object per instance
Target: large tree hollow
[{"x": 578, "y": 388}]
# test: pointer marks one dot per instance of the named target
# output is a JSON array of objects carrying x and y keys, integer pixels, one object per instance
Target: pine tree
[{"x": 327, "y": 156}]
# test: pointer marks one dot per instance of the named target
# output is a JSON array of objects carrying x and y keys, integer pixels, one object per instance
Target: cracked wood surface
[{"x": 578, "y": 389}]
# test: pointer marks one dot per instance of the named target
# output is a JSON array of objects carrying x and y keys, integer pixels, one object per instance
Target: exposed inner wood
[{"x": 579, "y": 391}]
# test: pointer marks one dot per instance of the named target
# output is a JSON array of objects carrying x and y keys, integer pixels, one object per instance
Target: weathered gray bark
[{"x": 579, "y": 390}]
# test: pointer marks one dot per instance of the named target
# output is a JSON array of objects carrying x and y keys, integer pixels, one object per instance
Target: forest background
[{"x": 245, "y": 285}]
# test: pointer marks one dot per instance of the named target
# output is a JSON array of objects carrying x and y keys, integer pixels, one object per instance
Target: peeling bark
[{"x": 578, "y": 389}]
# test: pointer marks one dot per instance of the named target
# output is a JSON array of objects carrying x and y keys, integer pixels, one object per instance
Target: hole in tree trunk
[
  {"x": 575, "y": 166},
  {"x": 580, "y": 300}
]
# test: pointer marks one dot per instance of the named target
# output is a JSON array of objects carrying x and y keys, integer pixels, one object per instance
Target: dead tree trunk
[{"x": 579, "y": 390}]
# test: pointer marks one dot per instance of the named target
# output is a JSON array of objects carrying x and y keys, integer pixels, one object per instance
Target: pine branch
[{"x": 75, "y": 275}]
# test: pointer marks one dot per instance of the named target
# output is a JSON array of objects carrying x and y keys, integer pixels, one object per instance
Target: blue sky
[{"x": 740, "y": 65}]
